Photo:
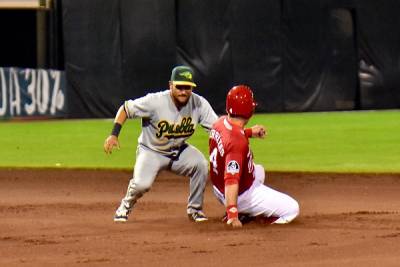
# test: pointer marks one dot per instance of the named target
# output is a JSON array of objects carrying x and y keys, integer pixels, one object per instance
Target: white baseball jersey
[{"x": 164, "y": 127}]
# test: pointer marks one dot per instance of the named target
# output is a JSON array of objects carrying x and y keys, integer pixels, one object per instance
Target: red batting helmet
[{"x": 240, "y": 102}]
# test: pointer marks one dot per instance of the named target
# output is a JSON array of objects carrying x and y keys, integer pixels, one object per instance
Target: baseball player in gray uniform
[{"x": 169, "y": 118}]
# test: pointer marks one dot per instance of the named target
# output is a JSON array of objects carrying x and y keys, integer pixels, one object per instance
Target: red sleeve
[
  {"x": 234, "y": 164},
  {"x": 248, "y": 132}
]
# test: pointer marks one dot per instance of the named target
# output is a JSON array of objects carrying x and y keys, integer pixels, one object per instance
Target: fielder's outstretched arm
[
  {"x": 121, "y": 116},
  {"x": 112, "y": 139}
]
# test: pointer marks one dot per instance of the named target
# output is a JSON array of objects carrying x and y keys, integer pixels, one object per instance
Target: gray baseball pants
[{"x": 190, "y": 162}]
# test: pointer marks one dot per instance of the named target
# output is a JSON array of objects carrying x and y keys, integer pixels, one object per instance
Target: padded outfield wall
[{"x": 297, "y": 55}]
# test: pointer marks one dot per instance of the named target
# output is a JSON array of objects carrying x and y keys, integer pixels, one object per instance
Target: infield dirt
[{"x": 64, "y": 218}]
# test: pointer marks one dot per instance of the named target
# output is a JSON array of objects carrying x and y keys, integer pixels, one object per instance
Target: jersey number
[{"x": 213, "y": 160}]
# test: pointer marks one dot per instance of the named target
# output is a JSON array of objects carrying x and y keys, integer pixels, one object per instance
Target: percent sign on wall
[{"x": 32, "y": 92}]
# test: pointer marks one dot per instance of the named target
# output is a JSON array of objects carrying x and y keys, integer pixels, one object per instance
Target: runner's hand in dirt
[
  {"x": 234, "y": 223},
  {"x": 110, "y": 143}
]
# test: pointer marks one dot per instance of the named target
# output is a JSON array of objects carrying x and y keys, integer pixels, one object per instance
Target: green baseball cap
[{"x": 182, "y": 75}]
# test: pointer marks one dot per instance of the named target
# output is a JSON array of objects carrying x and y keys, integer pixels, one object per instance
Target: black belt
[{"x": 175, "y": 156}]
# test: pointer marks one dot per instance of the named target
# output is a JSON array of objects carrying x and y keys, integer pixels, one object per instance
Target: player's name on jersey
[
  {"x": 217, "y": 137},
  {"x": 171, "y": 130}
]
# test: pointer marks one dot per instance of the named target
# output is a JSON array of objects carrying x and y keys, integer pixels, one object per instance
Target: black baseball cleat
[{"x": 197, "y": 216}]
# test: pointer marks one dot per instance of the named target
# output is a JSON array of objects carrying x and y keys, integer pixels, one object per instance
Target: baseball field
[{"x": 59, "y": 191}]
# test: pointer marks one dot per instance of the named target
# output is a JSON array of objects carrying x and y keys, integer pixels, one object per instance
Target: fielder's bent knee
[
  {"x": 200, "y": 168},
  {"x": 141, "y": 188},
  {"x": 204, "y": 166}
]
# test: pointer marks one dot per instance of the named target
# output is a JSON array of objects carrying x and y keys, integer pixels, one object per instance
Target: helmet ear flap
[{"x": 240, "y": 102}]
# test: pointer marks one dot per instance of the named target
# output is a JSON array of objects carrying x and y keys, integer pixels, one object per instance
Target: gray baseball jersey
[
  {"x": 164, "y": 127},
  {"x": 162, "y": 145}
]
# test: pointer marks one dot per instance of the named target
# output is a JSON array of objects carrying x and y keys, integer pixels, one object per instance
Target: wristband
[
  {"x": 232, "y": 212},
  {"x": 116, "y": 129},
  {"x": 248, "y": 132},
  {"x": 231, "y": 181}
]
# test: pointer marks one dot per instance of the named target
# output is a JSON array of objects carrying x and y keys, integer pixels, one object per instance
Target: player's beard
[{"x": 181, "y": 99}]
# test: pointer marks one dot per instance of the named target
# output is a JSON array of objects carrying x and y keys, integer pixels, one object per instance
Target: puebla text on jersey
[
  {"x": 164, "y": 127},
  {"x": 231, "y": 159}
]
